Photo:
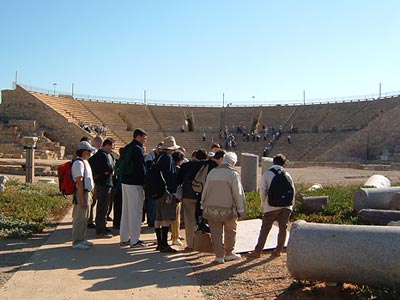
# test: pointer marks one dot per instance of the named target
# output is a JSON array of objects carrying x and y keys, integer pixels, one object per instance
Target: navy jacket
[
  {"x": 139, "y": 167},
  {"x": 100, "y": 164}
]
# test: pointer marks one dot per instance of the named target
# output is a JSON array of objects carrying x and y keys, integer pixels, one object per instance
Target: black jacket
[
  {"x": 139, "y": 167},
  {"x": 100, "y": 164}
]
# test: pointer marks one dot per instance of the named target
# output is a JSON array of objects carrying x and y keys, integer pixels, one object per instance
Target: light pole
[
  {"x": 54, "y": 89},
  {"x": 253, "y": 99}
]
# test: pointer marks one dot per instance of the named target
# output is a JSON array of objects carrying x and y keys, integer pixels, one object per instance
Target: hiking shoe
[
  {"x": 139, "y": 244},
  {"x": 233, "y": 256},
  {"x": 167, "y": 249},
  {"x": 104, "y": 235},
  {"x": 275, "y": 253},
  {"x": 90, "y": 244},
  {"x": 123, "y": 244},
  {"x": 177, "y": 243},
  {"x": 254, "y": 254},
  {"x": 219, "y": 260},
  {"x": 81, "y": 246}
]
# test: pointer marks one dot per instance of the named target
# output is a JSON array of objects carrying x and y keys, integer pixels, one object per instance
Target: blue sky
[{"x": 194, "y": 51}]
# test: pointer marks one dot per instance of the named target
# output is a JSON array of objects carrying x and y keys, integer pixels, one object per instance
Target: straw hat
[{"x": 170, "y": 144}]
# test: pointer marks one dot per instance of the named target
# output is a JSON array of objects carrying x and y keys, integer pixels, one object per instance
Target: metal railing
[{"x": 210, "y": 103}]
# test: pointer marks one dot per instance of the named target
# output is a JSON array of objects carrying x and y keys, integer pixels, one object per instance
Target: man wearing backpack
[
  {"x": 82, "y": 176},
  {"x": 277, "y": 199}
]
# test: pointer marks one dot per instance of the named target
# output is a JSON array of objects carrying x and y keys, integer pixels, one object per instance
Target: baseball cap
[{"x": 86, "y": 146}]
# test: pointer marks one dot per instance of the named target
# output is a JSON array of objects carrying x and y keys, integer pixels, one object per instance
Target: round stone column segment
[{"x": 249, "y": 170}]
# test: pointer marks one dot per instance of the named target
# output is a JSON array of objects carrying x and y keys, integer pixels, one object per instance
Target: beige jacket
[{"x": 223, "y": 189}]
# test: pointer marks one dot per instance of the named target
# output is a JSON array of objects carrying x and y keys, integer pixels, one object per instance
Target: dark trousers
[
  {"x": 117, "y": 195},
  {"x": 150, "y": 211},
  {"x": 282, "y": 217},
  {"x": 103, "y": 197}
]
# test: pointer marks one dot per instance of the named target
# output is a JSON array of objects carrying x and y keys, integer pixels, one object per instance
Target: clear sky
[{"x": 194, "y": 51}]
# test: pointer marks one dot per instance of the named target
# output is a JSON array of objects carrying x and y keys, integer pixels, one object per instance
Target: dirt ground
[{"x": 264, "y": 278}]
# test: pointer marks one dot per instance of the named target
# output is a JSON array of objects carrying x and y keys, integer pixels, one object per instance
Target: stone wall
[{"x": 31, "y": 113}]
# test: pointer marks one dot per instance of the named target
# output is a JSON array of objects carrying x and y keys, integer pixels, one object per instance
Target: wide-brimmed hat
[
  {"x": 170, "y": 144},
  {"x": 86, "y": 146}
]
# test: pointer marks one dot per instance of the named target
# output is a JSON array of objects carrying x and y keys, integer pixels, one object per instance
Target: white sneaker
[
  {"x": 90, "y": 244},
  {"x": 234, "y": 256},
  {"x": 219, "y": 260},
  {"x": 177, "y": 242},
  {"x": 80, "y": 246}
]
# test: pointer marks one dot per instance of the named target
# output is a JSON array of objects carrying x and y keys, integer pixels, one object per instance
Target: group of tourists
[{"x": 206, "y": 188}]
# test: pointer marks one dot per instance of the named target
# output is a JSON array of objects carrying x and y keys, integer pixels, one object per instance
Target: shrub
[{"x": 28, "y": 208}]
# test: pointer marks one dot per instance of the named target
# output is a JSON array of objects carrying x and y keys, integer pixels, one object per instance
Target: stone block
[
  {"x": 360, "y": 254},
  {"x": 314, "y": 203},
  {"x": 378, "y": 216},
  {"x": 249, "y": 168}
]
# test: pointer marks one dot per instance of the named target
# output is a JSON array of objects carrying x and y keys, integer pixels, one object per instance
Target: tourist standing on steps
[
  {"x": 132, "y": 169},
  {"x": 223, "y": 203},
  {"x": 82, "y": 175},
  {"x": 281, "y": 214},
  {"x": 103, "y": 171}
]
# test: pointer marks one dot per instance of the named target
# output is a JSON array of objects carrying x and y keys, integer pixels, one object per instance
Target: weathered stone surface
[
  {"x": 249, "y": 171},
  {"x": 378, "y": 216},
  {"x": 360, "y": 254},
  {"x": 395, "y": 202},
  {"x": 374, "y": 198},
  {"x": 314, "y": 203},
  {"x": 378, "y": 181},
  {"x": 266, "y": 163}
]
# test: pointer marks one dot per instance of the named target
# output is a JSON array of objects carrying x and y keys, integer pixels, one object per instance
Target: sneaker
[
  {"x": 139, "y": 244},
  {"x": 90, "y": 244},
  {"x": 177, "y": 243},
  {"x": 233, "y": 256},
  {"x": 254, "y": 254},
  {"x": 80, "y": 246},
  {"x": 219, "y": 260},
  {"x": 104, "y": 236},
  {"x": 123, "y": 244}
]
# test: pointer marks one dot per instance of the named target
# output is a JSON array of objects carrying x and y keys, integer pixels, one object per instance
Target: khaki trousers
[
  {"x": 228, "y": 229},
  {"x": 189, "y": 214},
  {"x": 80, "y": 218},
  {"x": 176, "y": 223},
  {"x": 282, "y": 217}
]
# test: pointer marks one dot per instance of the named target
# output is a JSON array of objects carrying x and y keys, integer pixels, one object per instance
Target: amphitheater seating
[{"x": 319, "y": 127}]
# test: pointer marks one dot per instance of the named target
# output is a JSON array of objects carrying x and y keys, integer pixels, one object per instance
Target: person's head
[
  {"x": 140, "y": 136},
  {"x": 108, "y": 145},
  {"x": 178, "y": 156},
  {"x": 219, "y": 155},
  {"x": 159, "y": 147},
  {"x": 85, "y": 139},
  {"x": 201, "y": 154},
  {"x": 84, "y": 150},
  {"x": 169, "y": 145},
  {"x": 215, "y": 147},
  {"x": 97, "y": 141},
  {"x": 230, "y": 158},
  {"x": 279, "y": 159},
  {"x": 120, "y": 150}
]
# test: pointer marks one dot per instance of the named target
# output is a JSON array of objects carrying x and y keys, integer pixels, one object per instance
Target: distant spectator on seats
[
  {"x": 183, "y": 128},
  {"x": 204, "y": 136},
  {"x": 289, "y": 139}
]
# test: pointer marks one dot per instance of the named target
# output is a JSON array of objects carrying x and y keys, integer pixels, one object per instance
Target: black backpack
[
  {"x": 280, "y": 193},
  {"x": 154, "y": 182}
]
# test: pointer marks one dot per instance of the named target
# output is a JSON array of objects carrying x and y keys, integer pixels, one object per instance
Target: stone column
[
  {"x": 30, "y": 145},
  {"x": 374, "y": 198},
  {"x": 358, "y": 254},
  {"x": 249, "y": 168},
  {"x": 266, "y": 163},
  {"x": 378, "y": 181}
]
